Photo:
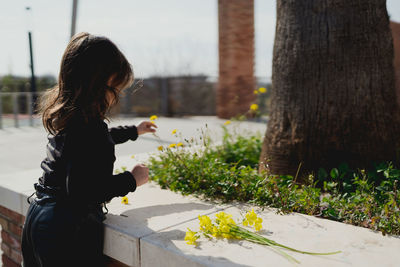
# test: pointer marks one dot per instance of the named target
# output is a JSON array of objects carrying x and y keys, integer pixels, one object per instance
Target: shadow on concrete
[{"x": 142, "y": 215}]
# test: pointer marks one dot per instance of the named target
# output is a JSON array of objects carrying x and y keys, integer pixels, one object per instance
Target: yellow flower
[
  {"x": 227, "y": 123},
  {"x": 133, "y": 156},
  {"x": 179, "y": 144},
  {"x": 254, "y": 107},
  {"x": 255, "y": 92},
  {"x": 223, "y": 217},
  {"x": 152, "y": 118},
  {"x": 251, "y": 217},
  {"x": 205, "y": 223},
  {"x": 124, "y": 200},
  {"x": 225, "y": 228},
  {"x": 172, "y": 145},
  {"x": 174, "y": 131},
  {"x": 191, "y": 237},
  {"x": 262, "y": 90},
  {"x": 215, "y": 231},
  {"x": 160, "y": 148}
]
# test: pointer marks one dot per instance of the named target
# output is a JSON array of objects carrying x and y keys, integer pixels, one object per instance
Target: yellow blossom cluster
[
  {"x": 153, "y": 118},
  {"x": 124, "y": 200},
  {"x": 253, "y": 220},
  {"x": 173, "y": 131},
  {"x": 206, "y": 224},
  {"x": 172, "y": 146},
  {"x": 224, "y": 222},
  {"x": 254, "y": 107},
  {"x": 191, "y": 237},
  {"x": 221, "y": 228},
  {"x": 180, "y": 144},
  {"x": 227, "y": 122},
  {"x": 261, "y": 90},
  {"x": 224, "y": 226}
]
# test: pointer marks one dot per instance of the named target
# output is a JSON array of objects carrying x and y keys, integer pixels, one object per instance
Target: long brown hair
[{"x": 93, "y": 72}]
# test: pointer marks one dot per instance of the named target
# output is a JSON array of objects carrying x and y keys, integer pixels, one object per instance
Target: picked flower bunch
[{"x": 225, "y": 227}]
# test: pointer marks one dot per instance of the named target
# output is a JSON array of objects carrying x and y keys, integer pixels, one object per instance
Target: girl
[{"x": 63, "y": 226}]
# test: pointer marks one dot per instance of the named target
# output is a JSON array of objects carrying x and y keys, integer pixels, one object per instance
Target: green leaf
[
  {"x": 322, "y": 174},
  {"x": 334, "y": 173}
]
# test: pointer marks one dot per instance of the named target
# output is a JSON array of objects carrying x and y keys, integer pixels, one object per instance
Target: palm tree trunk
[{"x": 333, "y": 96}]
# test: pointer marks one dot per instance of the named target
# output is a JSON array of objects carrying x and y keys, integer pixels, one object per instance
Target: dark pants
[{"x": 57, "y": 233}]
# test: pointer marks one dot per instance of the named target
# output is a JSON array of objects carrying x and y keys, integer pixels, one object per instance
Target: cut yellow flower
[
  {"x": 251, "y": 217},
  {"x": 254, "y": 107},
  {"x": 179, "y": 144},
  {"x": 227, "y": 123},
  {"x": 253, "y": 220},
  {"x": 174, "y": 131},
  {"x": 191, "y": 237},
  {"x": 222, "y": 216},
  {"x": 215, "y": 231},
  {"x": 133, "y": 156},
  {"x": 226, "y": 227},
  {"x": 205, "y": 223},
  {"x": 160, "y": 148},
  {"x": 154, "y": 117},
  {"x": 255, "y": 92},
  {"x": 124, "y": 200},
  {"x": 258, "y": 226},
  {"x": 262, "y": 90},
  {"x": 172, "y": 145}
]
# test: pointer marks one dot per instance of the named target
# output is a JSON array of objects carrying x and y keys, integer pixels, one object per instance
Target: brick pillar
[
  {"x": 11, "y": 233},
  {"x": 236, "y": 57}
]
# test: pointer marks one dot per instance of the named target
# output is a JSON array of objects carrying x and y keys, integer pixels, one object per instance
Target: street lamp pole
[
  {"x": 33, "y": 79},
  {"x": 74, "y": 11}
]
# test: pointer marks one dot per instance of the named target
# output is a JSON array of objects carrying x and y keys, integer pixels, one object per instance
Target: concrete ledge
[
  {"x": 359, "y": 246},
  {"x": 150, "y": 231}
]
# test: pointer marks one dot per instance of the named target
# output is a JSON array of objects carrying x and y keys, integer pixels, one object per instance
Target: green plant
[{"x": 228, "y": 172}]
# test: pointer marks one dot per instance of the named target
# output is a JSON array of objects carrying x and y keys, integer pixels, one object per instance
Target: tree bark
[{"x": 333, "y": 97}]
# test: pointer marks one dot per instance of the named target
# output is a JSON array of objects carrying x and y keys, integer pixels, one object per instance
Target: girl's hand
[
  {"x": 146, "y": 127},
  {"x": 141, "y": 174}
]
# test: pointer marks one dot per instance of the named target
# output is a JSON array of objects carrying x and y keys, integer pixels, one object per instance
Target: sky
[{"x": 159, "y": 37}]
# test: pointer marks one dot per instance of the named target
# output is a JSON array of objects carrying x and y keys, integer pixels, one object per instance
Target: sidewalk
[{"x": 24, "y": 148}]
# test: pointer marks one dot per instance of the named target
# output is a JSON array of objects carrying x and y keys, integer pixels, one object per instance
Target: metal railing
[{"x": 17, "y": 108}]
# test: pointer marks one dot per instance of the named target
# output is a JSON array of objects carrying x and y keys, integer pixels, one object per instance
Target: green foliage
[{"x": 228, "y": 172}]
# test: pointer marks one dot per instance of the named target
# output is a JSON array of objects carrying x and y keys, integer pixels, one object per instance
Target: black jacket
[{"x": 80, "y": 161}]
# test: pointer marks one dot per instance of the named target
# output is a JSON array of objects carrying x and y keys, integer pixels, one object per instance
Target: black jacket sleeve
[
  {"x": 91, "y": 158},
  {"x": 121, "y": 134}
]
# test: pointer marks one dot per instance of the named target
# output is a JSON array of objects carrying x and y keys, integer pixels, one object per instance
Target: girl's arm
[{"x": 121, "y": 134}]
